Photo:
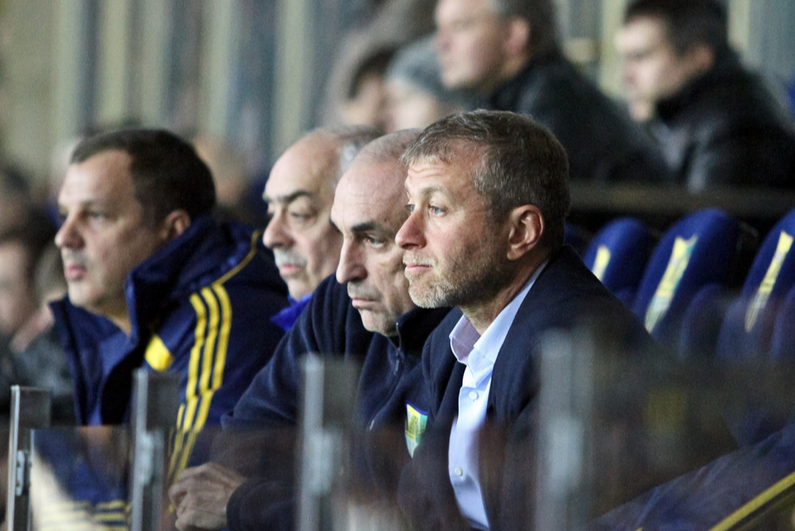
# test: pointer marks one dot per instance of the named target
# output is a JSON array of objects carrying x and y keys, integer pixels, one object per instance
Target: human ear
[
  {"x": 526, "y": 227},
  {"x": 175, "y": 224},
  {"x": 517, "y": 36},
  {"x": 700, "y": 58}
]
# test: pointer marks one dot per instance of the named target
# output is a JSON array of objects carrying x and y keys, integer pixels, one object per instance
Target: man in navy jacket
[
  {"x": 154, "y": 282},
  {"x": 366, "y": 315},
  {"x": 488, "y": 195}
]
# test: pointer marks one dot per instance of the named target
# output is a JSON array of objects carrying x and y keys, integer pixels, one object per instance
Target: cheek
[{"x": 322, "y": 250}]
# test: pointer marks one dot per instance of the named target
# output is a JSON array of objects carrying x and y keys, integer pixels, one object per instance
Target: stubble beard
[{"x": 473, "y": 276}]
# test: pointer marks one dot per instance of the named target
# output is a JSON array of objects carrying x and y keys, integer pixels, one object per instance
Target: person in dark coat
[
  {"x": 717, "y": 122},
  {"x": 507, "y": 52},
  {"x": 364, "y": 315},
  {"x": 488, "y": 195}
]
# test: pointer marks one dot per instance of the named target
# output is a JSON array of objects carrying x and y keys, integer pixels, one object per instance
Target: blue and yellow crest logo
[{"x": 416, "y": 420}]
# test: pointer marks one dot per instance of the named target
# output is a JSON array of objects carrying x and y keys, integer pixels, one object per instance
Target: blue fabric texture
[
  {"x": 287, "y": 317},
  {"x": 207, "y": 296}
]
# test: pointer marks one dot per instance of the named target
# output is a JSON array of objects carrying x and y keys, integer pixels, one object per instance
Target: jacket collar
[
  {"x": 725, "y": 66},
  {"x": 414, "y": 328},
  {"x": 507, "y": 96}
]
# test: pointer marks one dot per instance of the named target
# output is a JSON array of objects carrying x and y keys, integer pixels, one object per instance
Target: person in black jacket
[
  {"x": 507, "y": 52},
  {"x": 717, "y": 122},
  {"x": 488, "y": 195},
  {"x": 365, "y": 315}
]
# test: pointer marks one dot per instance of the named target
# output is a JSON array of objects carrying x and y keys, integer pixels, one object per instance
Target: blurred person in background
[
  {"x": 716, "y": 122},
  {"x": 365, "y": 103},
  {"x": 15, "y": 195},
  {"x": 228, "y": 167},
  {"x": 31, "y": 275},
  {"x": 508, "y": 53},
  {"x": 371, "y": 26},
  {"x": 299, "y": 194},
  {"x": 415, "y": 95}
]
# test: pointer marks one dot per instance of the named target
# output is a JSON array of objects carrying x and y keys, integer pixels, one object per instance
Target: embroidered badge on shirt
[{"x": 416, "y": 420}]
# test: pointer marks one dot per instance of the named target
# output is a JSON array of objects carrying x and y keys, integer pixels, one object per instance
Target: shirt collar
[{"x": 477, "y": 352}]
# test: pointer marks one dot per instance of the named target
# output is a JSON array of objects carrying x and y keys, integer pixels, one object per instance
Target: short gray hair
[
  {"x": 520, "y": 163},
  {"x": 349, "y": 139}
]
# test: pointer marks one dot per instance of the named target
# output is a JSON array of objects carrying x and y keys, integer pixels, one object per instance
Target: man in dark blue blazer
[{"x": 488, "y": 195}]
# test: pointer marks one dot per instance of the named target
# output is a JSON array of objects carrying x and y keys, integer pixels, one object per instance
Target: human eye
[
  {"x": 299, "y": 215},
  {"x": 374, "y": 241},
  {"x": 410, "y": 207},
  {"x": 96, "y": 215},
  {"x": 436, "y": 210}
]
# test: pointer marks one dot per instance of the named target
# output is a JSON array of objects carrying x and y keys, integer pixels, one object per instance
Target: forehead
[
  {"x": 308, "y": 165},
  {"x": 370, "y": 193},
  {"x": 463, "y": 9},
  {"x": 642, "y": 33},
  {"x": 453, "y": 169},
  {"x": 104, "y": 177}
]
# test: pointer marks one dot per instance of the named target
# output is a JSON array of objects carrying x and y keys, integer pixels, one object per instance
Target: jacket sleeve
[
  {"x": 272, "y": 399},
  {"x": 216, "y": 342}
]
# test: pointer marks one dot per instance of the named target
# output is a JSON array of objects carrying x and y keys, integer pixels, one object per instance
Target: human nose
[
  {"x": 350, "y": 266},
  {"x": 68, "y": 236},
  {"x": 277, "y": 234},
  {"x": 410, "y": 234}
]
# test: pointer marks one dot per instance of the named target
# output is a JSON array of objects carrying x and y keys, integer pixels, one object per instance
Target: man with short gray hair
[{"x": 488, "y": 196}]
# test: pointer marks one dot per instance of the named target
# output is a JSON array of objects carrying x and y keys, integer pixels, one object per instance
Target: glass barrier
[
  {"x": 615, "y": 441},
  {"x": 79, "y": 478}
]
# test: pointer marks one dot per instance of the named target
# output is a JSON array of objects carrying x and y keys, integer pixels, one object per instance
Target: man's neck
[
  {"x": 483, "y": 313},
  {"x": 121, "y": 318}
]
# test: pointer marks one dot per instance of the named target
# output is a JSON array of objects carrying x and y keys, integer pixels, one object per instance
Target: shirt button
[
  {"x": 458, "y": 471},
  {"x": 473, "y": 395}
]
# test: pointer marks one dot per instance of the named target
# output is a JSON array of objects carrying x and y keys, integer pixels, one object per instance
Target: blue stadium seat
[
  {"x": 783, "y": 343},
  {"x": 748, "y": 327},
  {"x": 697, "y": 251},
  {"x": 618, "y": 254}
]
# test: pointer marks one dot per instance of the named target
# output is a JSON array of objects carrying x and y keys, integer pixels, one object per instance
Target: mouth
[
  {"x": 287, "y": 270},
  {"x": 73, "y": 272},
  {"x": 414, "y": 269},
  {"x": 361, "y": 304}
]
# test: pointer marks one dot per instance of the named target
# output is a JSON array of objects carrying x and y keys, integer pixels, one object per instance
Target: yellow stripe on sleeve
[{"x": 195, "y": 356}]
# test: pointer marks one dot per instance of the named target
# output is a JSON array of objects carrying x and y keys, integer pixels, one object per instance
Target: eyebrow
[
  {"x": 287, "y": 199},
  {"x": 427, "y": 190},
  {"x": 367, "y": 226}
]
